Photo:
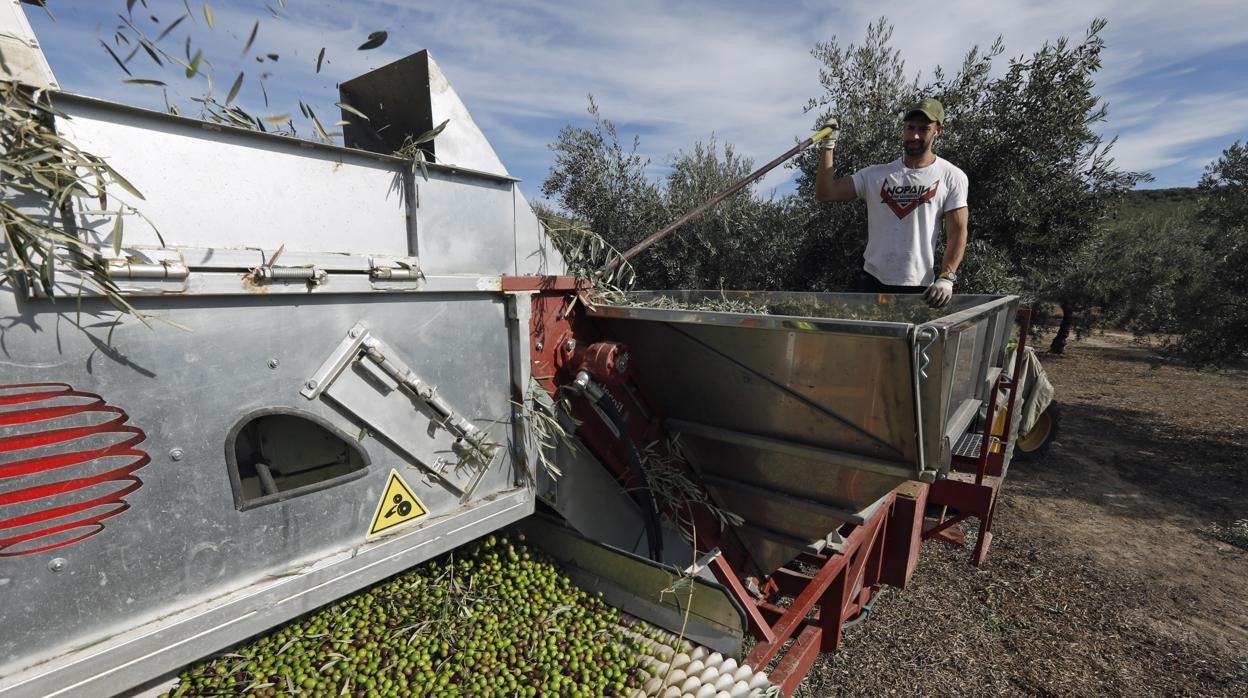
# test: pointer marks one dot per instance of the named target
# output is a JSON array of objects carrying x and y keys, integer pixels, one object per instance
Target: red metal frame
[
  {"x": 974, "y": 483},
  {"x": 843, "y": 583},
  {"x": 883, "y": 550}
]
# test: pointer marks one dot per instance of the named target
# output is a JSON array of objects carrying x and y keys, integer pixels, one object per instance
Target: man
[{"x": 905, "y": 200}]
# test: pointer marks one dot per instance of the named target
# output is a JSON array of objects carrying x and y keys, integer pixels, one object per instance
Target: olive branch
[{"x": 49, "y": 172}]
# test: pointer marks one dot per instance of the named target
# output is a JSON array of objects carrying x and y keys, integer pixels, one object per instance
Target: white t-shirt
[{"x": 905, "y": 208}]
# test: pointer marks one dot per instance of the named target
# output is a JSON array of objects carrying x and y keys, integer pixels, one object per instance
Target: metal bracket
[
  {"x": 360, "y": 346},
  {"x": 395, "y": 269},
  {"x": 346, "y": 352},
  {"x": 385, "y": 358},
  {"x": 162, "y": 270},
  {"x": 703, "y": 562},
  {"x": 135, "y": 271}
]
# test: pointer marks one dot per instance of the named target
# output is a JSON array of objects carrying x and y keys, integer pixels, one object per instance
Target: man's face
[{"x": 918, "y": 134}]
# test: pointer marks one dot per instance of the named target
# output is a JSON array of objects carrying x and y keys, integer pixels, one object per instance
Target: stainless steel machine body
[{"x": 322, "y": 321}]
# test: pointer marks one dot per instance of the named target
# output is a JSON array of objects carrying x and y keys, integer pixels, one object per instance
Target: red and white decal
[
  {"x": 904, "y": 198},
  {"x": 67, "y": 462}
]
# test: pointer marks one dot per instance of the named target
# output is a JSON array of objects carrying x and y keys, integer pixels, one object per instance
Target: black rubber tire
[{"x": 1036, "y": 443}]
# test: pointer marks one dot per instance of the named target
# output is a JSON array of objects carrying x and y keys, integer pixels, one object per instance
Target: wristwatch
[{"x": 951, "y": 275}]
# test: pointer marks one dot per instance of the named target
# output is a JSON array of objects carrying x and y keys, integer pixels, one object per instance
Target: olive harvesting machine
[{"x": 328, "y": 365}]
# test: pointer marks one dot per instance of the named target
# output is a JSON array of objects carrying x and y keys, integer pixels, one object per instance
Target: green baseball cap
[{"x": 930, "y": 108}]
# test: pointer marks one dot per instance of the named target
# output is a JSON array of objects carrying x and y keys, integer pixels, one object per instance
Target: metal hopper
[{"x": 800, "y": 418}]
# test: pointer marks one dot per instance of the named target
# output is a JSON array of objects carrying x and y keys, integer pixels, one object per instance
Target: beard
[{"x": 916, "y": 147}]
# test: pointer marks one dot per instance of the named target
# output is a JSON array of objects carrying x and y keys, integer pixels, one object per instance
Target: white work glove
[
  {"x": 940, "y": 292},
  {"x": 829, "y": 141}
]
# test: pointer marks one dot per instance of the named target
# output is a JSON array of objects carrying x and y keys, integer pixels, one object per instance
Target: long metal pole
[{"x": 641, "y": 246}]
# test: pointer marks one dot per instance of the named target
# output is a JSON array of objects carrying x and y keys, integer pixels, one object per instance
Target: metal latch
[
  {"x": 415, "y": 418},
  {"x": 395, "y": 269},
  {"x": 384, "y": 358}
]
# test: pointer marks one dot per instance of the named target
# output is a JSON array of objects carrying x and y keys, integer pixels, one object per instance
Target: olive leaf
[
  {"x": 151, "y": 51},
  {"x": 319, "y": 128},
  {"x": 47, "y": 274},
  {"x": 173, "y": 25},
  {"x": 117, "y": 227},
  {"x": 193, "y": 67},
  {"x": 238, "y": 84},
  {"x": 375, "y": 39},
  {"x": 251, "y": 39},
  {"x": 125, "y": 183},
  {"x": 114, "y": 56},
  {"x": 431, "y": 133},
  {"x": 420, "y": 161},
  {"x": 348, "y": 108}
]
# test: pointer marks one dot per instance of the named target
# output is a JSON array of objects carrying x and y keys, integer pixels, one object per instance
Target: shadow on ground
[{"x": 1203, "y": 475}]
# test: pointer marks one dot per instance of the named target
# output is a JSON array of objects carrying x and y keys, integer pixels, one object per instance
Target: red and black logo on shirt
[{"x": 904, "y": 198}]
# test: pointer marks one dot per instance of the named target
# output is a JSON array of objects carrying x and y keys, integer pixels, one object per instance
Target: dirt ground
[{"x": 1102, "y": 578}]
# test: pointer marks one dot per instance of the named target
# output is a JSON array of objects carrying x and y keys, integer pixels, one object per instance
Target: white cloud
[
  {"x": 1169, "y": 137},
  {"x": 675, "y": 72}
]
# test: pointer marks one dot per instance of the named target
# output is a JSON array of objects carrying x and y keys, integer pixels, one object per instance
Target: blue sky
[{"x": 676, "y": 73}]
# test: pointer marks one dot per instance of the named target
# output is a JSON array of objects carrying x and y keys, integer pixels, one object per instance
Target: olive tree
[
  {"x": 865, "y": 87},
  {"x": 740, "y": 244},
  {"x": 1041, "y": 179},
  {"x": 1212, "y": 308},
  {"x": 1139, "y": 263}
]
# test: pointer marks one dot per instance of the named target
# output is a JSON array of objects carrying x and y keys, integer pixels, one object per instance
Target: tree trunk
[{"x": 1058, "y": 345}]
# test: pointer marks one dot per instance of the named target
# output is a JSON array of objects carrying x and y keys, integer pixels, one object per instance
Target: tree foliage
[
  {"x": 1172, "y": 262},
  {"x": 742, "y": 243},
  {"x": 1212, "y": 306},
  {"x": 865, "y": 88},
  {"x": 1048, "y": 215},
  {"x": 599, "y": 181},
  {"x": 1142, "y": 259},
  {"x": 1041, "y": 177}
]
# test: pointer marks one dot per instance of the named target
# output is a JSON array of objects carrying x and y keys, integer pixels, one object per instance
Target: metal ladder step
[{"x": 968, "y": 446}]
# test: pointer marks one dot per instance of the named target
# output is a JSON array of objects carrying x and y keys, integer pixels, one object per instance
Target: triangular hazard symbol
[{"x": 398, "y": 505}]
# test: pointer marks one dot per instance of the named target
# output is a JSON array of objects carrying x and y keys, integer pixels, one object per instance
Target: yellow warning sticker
[{"x": 398, "y": 505}]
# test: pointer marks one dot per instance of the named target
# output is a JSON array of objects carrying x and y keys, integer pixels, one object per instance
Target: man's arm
[
  {"x": 955, "y": 239},
  {"x": 940, "y": 292},
  {"x": 828, "y": 187}
]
